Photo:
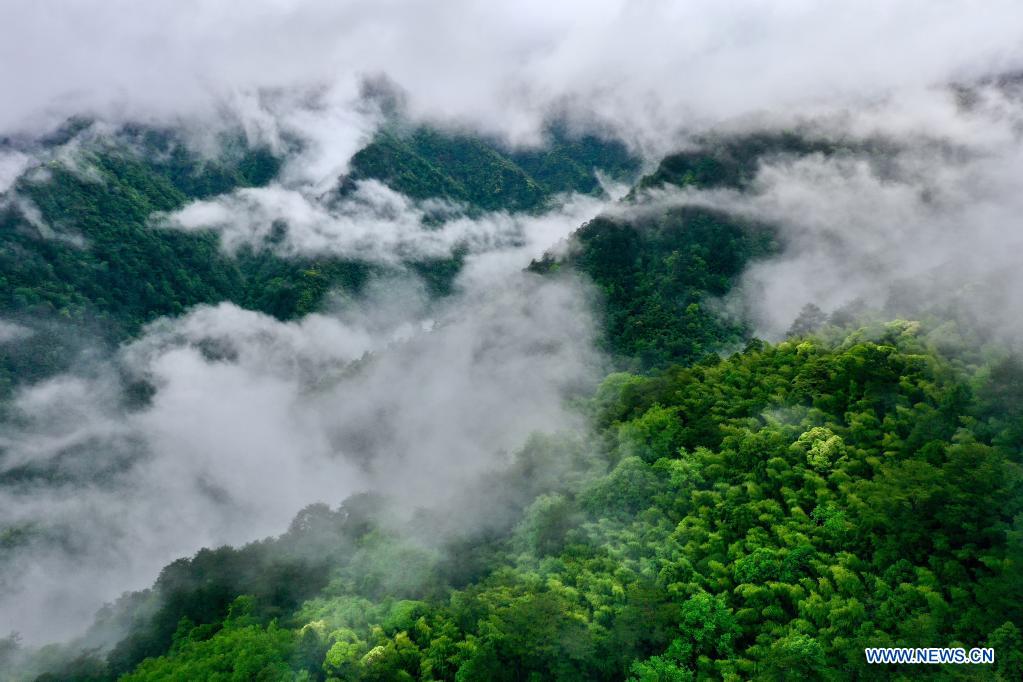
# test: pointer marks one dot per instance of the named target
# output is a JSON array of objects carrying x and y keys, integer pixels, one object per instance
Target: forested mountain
[
  {"x": 80, "y": 246},
  {"x": 741, "y": 510},
  {"x": 765, "y": 515},
  {"x": 660, "y": 277},
  {"x": 731, "y": 161},
  {"x": 427, "y": 163},
  {"x": 470, "y": 341},
  {"x": 86, "y": 235}
]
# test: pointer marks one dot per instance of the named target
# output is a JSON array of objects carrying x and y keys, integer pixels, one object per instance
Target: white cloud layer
[
  {"x": 930, "y": 221},
  {"x": 648, "y": 68},
  {"x": 252, "y": 419},
  {"x": 373, "y": 223}
]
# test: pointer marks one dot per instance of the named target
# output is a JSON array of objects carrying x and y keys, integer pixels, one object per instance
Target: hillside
[
  {"x": 85, "y": 253},
  {"x": 95, "y": 237},
  {"x": 425, "y": 163},
  {"x": 469, "y": 342},
  {"x": 759, "y": 516},
  {"x": 661, "y": 278}
]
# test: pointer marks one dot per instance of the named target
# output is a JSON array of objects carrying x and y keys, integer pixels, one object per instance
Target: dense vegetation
[
  {"x": 661, "y": 277},
  {"x": 764, "y": 515},
  {"x": 663, "y": 272},
  {"x": 85, "y": 255},
  {"x": 425, "y": 163},
  {"x": 89, "y": 251},
  {"x": 730, "y": 162}
]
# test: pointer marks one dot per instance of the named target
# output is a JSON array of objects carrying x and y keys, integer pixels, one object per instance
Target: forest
[
  {"x": 470, "y": 341},
  {"x": 764, "y": 515},
  {"x": 737, "y": 510},
  {"x": 132, "y": 273}
]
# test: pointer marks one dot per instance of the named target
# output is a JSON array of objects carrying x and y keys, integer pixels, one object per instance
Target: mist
[
  {"x": 374, "y": 223},
  {"x": 218, "y": 425},
  {"x": 916, "y": 212},
  {"x": 251, "y": 419},
  {"x": 650, "y": 70}
]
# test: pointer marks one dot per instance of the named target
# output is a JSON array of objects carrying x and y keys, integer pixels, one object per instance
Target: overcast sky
[{"x": 648, "y": 67}]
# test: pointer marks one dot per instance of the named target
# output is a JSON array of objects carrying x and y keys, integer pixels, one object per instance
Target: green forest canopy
[
  {"x": 762, "y": 515},
  {"x": 765, "y": 515},
  {"x": 99, "y": 265}
]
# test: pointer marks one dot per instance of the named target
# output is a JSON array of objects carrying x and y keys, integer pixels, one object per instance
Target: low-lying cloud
[
  {"x": 372, "y": 223},
  {"x": 649, "y": 70},
  {"x": 251, "y": 419},
  {"x": 234, "y": 420},
  {"x": 909, "y": 224}
]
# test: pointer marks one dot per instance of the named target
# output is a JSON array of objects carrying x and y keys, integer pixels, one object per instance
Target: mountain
[
  {"x": 739, "y": 509},
  {"x": 426, "y": 163},
  {"x": 661, "y": 277},
  {"x": 756, "y": 516},
  {"x": 732, "y": 161},
  {"x": 79, "y": 247}
]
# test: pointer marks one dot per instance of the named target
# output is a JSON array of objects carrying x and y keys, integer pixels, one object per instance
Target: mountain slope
[
  {"x": 426, "y": 163},
  {"x": 77, "y": 246},
  {"x": 765, "y": 515},
  {"x": 661, "y": 276},
  {"x": 760, "y": 516}
]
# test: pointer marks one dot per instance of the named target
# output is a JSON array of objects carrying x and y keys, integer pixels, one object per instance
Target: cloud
[
  {"x": 649, "y": 69},
  {"x": 252, "y": 419},
  {"x": 12, "y": 165},
  {"x": 12, "y": 331},
  {"x": 903, "y": 222},
  {"x": 373, "y": 223}
]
